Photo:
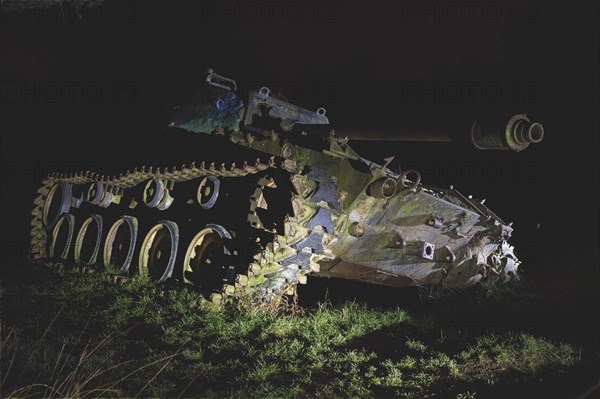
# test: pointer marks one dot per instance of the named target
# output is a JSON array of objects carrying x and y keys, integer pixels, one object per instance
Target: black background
[{"x": 356, "y": 59}]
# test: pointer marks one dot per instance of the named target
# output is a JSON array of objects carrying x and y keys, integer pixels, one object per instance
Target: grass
[{"x": 72, "y": 335}]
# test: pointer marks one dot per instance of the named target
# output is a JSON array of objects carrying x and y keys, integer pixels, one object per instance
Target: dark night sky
[{"x": 356, "y": 59}]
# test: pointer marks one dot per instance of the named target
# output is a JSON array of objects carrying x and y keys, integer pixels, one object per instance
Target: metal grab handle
[{"x": 220, "y": 81}]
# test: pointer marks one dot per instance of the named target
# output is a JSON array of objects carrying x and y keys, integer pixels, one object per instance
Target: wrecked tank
[{"x": 309, "y": 205}]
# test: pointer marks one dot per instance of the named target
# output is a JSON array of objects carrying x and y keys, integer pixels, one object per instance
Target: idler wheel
[
  {"x": 62, "y": 234},
  {"x": 159, "y": 250},
  {"x": 87, "y": 243},
  {"x": 208, "y": 192},
  {"x": 106, "y": 199},
  {"x": 120, "y": 243},
  {"x": 58, "y": 202},
  {"x": 154, "y": 192},
  {"x": 95, "y": 193},
  {"x": 206, "y": 259}
]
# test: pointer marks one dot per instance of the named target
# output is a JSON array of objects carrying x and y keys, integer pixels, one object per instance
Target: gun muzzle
[{"x": 517, "y": 135}]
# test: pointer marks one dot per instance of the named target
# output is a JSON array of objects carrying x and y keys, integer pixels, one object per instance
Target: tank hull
[{"x": 256, "y": 229}]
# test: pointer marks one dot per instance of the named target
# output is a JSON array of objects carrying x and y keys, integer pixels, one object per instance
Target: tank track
[{"x": 291, "y": 251}]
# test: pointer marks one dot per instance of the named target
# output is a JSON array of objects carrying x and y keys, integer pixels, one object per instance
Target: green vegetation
[{"x": 69, "y": 334}]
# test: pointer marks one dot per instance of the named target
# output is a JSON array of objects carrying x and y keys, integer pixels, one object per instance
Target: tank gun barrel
[{"x": 516, "y": 135}]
